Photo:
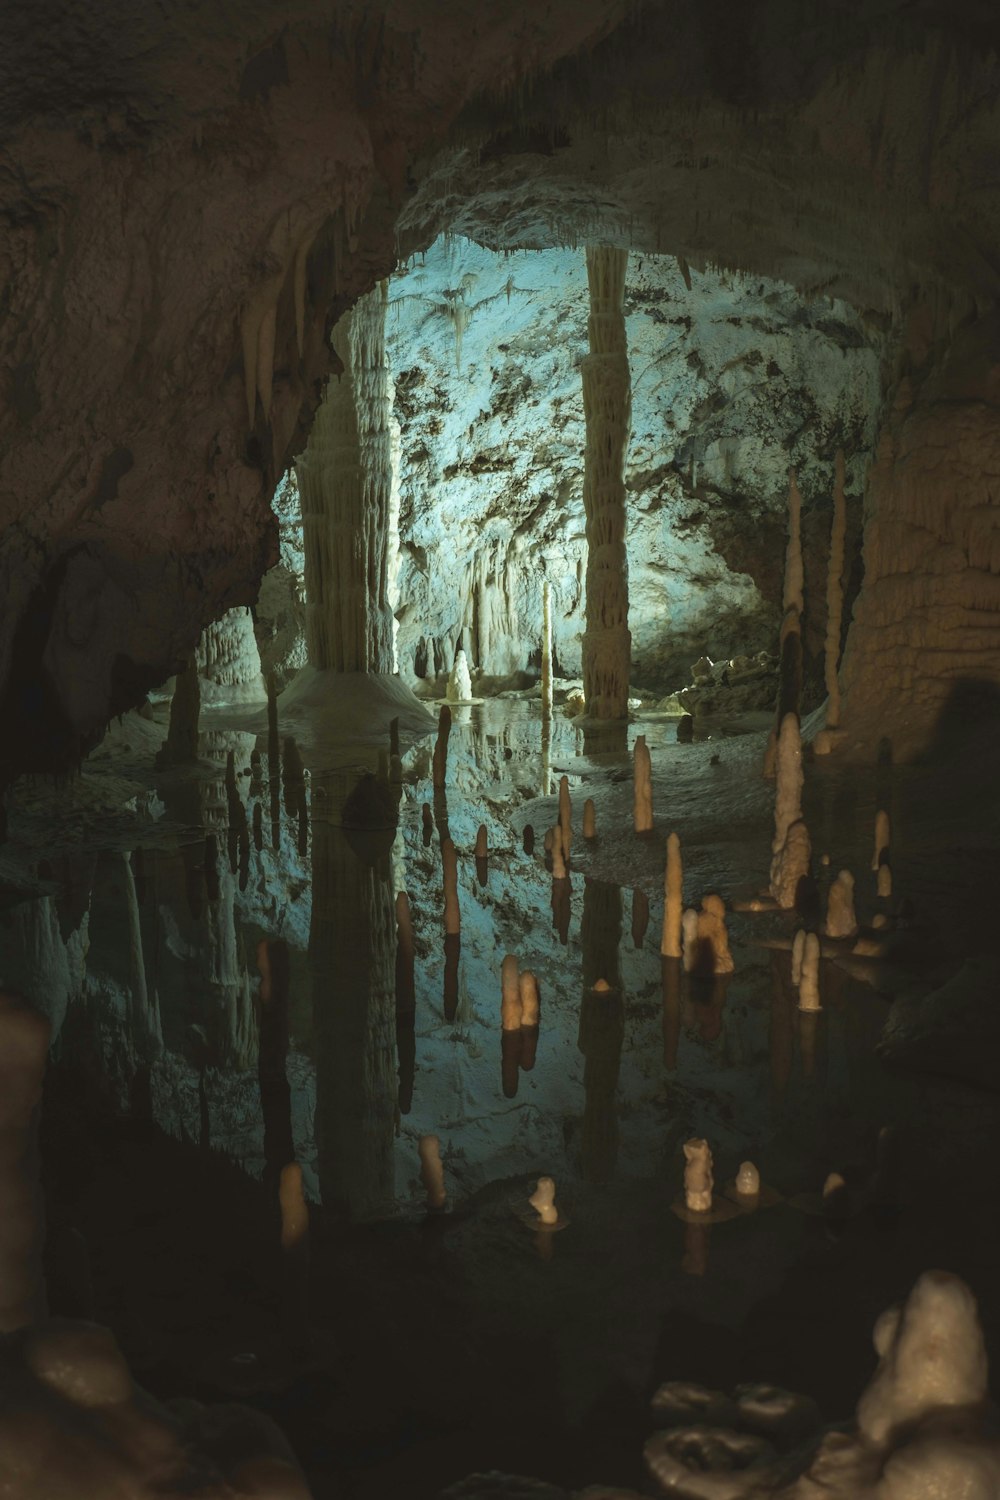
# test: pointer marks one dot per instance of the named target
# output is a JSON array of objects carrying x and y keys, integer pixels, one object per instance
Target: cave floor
[{"x": 415, "y": 1348}]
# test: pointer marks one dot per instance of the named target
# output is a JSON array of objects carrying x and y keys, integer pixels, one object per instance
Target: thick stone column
[
  {"x": 607, "y": 404},
  {"x": 345, "y": 484}
]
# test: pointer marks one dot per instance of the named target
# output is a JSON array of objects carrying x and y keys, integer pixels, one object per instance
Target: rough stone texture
[
  {"x": 185, "y": 205},
  {"x": 924, "y": 647},
  {"x": 229, "y": 661},
  {"x": 731, "y": 380}
]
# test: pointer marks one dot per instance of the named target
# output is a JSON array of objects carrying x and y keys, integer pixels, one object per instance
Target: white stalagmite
[
  {"x": 642, "y": 786},
  {"x": 884, "y": 881},
  {"x": 798, "y": 948},
  {"x": 607, "y": 405},
  {"x": 790, "y": 864},
  {"x": 459, "y": 681},
  {"x": 565, "y": 816},
  {"x": 840, "y": 917},
  {"x": 546, "y": 649},
  {"x": 809, "y": 976},
  {"x": 673, "y": 889},
  {"x": 345, "y": 484},
  {"x": 835, "y": 594},
  {"x": 229, "y": 661}
]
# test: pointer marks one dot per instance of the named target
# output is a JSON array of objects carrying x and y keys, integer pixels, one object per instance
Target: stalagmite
[
  {"x": 345, "y": 485},
  {"x": 673, "y": 887},
  {"x": 698, "y": 1181},
  {"x": 835, "y": 594},
  {"x": 798, "y": 948},
  {"x": 809, "y": 978},
  {"x": 542, "y": 1201},
  {"x": 24, "y": 1045},
  {"x": 511, "y": 1007},
  {"x": 432, "y": 1171},
  {"x": 884, "y": 881},
  {"x": 589, "y": 819},
  {"x": 788, "y": 793},
  {"x": 607, "y": 410},
  {"x": 440, "y": 764},
  {"x": 459, "y": 680},
  {"x": 642, "y": 787},
  {"x": 840, "y": 918},
  {"x": 748, "y": 1180},
  {"x": 449, "y": 863},
  {"x": 790, "y": 865},
  {"x": 294, "y": 1211},
  {"x": 705, "y": 941},
  {"x": 546, "y": 650},
  {"x": 565, "y": 816}
]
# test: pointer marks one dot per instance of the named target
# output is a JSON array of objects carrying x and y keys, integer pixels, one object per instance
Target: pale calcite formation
[
  {"x": 881, "y": 850},
  {"x": 589, "y": 819},
  {"x": 528, "y": 988},
  {"x": 449, "y": 867},
  {"x": 543, "y": 1201},
  {"x": 809, "y": 975},
  {"x": 511, "y": 1004},
  {"x": 698, "y": 1176},
  {"x": 798, "y": 948},
  {"x": 748, "y": 1180},
  {"x": 607, "y": 408},
  {"x": 841, "y": 920},
  {"x": 345, "y": 485},
  {"x": 460, "y": 680},
  {"x": 432, "y": 1170},
  {"x": 790, "y": 865},
  {"x": 229, "y": 660},
  {"x": 883, "y": 881},
  {"x": 788, "y": 792},
  {"x": 642, "y": 786},
  {"x": 705, "y": 940},
  {"x": 835, "y": 594},
  {"x": 673, "y": 890},
  {"x": 565, "y": 816}
]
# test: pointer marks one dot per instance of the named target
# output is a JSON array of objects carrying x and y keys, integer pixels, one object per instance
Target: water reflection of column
[
  {"x": 352, "y": 958},
  {"x": 602, "y": 1027},
  {"x": 782, "y": 1031},
  {"x": 275, "y": 1092}
]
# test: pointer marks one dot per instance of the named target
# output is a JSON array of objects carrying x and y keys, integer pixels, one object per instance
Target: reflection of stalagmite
[
  {"x": 449, "y": 865},
  {"x": 640, "y": 917},
  {"x": 406, "y": 1002},
  {"x": 530, "y": 1013},
  {"x": 809, "y": 978},
  {"x": 558, "y": 854},
  {"x": 607, "y": 410},
  {"x": 673, "y": 907},
  {"x": 24, "y": 1045},
  {"x": 546, "y": 650},
  {"x": 565, "y": 817},
  {"x": 272, "y": 1074},
  {"x": 440, "y": 766},
  {"x": 511, "y": 1005},
  {"x": 642, "y": 788},
  {"x": 782, "y": 1027},
  {"x": 670, "y": 970},
  {"x": 144, "y": 1021},
  {"x": 835, "y": 594},
  {"x": 352, "y": 943},
  {"x": 181, "y": 744},
  {"x": 706, "y": 943},
  {"x": 602, "y": 1026},
  {"x": 345, "y": 484}
]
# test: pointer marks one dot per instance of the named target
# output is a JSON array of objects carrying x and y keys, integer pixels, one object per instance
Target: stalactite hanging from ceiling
[
  {"x": 345, "y": 484},
  {"x": 607, "y": 410}
]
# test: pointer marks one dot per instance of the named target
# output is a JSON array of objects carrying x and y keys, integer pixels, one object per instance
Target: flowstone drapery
[
  {"x": 345, "y": 481},
  {"x": 607, "y": 409}
]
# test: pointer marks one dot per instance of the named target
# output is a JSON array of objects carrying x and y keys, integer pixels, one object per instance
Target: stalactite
[
  {"x": 607, "y": 410},
  {"x": 835, "y": 595},
  {"x": 345, "y": 485}
]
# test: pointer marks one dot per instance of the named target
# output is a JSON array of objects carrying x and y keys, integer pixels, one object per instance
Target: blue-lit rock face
[{"x": 733, "y": 380}]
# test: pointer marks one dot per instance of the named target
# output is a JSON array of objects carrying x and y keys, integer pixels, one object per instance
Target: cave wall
[{"x": 733, "y": 379}]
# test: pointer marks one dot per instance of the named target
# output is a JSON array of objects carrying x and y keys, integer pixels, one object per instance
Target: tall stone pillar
[
  {"x": 345, "y": 484},
  {"x": 607, "y": 405}
]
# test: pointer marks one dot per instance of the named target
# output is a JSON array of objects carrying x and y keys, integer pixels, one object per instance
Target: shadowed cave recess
[{"x": 499, "y": 666}]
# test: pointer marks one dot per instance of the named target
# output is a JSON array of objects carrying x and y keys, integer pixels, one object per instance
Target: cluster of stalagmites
[{"x": 924, "y": 1427}]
